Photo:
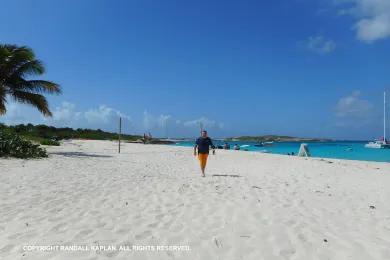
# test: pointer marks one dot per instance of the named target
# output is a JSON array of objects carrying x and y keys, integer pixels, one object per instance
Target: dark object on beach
[
  {"x": 159, "y": 141},
  {"x": 256, "y": 187},
  {"x": 147, "y": 139},
  {"x": 325, "y": 240},
  {"x": 217, "y": 243},
  {"x": 226, "y": 175},
  {"x": 50, "y": 142},
  {"x": 372, "y": 207}
]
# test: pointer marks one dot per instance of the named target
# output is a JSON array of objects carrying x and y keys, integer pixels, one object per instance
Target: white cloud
[
  {"x": 163, "y": 120},
  {"x": 373, "y": 18},
  {"x": 206, "y": 123},
  {"x": 151, "y": 122},
  {"x": 370, "y": 30},
  {"x": 65, "y": 115},
  {"x": 104, "y": 117},
  {"x": 148, "y": 121},
  {"x": 320, "y": 44},
  {"x": 352, "y": 106},
  {"x": 14, "y": 113},
  {"x": 18, "y": 113},
  {"x": 103, "y": 114}
]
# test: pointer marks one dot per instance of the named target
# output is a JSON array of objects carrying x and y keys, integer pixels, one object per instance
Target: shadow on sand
[
  {"x": 226, "y": 175},
  {"x": 80, "y": 154}
]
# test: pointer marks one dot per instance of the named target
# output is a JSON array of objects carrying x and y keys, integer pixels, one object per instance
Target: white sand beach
[{"x": 249, "y": 206}]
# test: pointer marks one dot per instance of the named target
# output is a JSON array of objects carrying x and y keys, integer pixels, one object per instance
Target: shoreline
[{"x": 270, "y": 152}]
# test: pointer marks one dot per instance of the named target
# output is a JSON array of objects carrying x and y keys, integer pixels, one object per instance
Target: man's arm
[
  {"x": 195, "y": 147},
  {"x": 212, "y": 146}
]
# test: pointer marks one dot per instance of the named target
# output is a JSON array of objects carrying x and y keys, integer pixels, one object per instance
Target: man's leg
[{"x": 203, "y": 162}]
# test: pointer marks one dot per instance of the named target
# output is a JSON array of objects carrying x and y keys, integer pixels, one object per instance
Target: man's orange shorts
[{"x": 203, "y": 159}]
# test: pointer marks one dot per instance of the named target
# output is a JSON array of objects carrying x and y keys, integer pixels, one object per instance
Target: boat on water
[
  {"x": 262, "y": 144},
  {"x": 378, "y": 144},
  {"x": 382, "y": 143}
]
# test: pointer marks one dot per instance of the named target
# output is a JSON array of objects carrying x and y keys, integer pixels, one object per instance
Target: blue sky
[{"x": 313, "y": 68}]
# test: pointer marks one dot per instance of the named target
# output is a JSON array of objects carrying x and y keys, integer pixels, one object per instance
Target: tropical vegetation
[
  {"x": 43, "y": 133},
  {"x": 17, "y": 65},
  {"x": 13, "y": 145}
]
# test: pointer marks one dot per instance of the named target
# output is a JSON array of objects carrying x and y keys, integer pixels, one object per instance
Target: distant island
[{"x": 275, "y": 138}]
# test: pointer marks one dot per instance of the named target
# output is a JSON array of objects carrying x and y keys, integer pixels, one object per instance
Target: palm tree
[{"x": 16, "y": 65}]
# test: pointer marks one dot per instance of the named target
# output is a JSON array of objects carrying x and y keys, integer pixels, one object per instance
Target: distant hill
[
  {"x": 275, "y": 138},
  {"x": 44, "y": 132}
]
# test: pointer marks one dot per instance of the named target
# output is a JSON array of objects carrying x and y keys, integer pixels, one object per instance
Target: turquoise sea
[{"x": 350, "y": 150}]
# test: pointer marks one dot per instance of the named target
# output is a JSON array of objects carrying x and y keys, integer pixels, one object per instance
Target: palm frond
[
  {"x": 16, "y": 64},
  {"x": 3, "y": 101},
  {"x": 36, "y": 100},
  {"x": 13, "y": 59},
  {"x": 34, "y": 67},
  {"x": 38, "y": 86}
]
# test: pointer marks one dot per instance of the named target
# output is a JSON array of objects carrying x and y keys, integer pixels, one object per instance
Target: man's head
[{"x": 204, "y": 133}]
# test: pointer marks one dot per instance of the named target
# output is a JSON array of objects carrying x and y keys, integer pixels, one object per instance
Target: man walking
[{"x": 203, "y": 144}]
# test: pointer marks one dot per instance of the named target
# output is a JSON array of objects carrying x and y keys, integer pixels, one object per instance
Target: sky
[{"x": 309, "y": 68}]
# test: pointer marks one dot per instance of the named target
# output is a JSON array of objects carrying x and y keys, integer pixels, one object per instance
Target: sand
[{"x": 149, "y": 197}]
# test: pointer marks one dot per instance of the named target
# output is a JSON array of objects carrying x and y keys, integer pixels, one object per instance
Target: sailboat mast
[{"x": 384, "y": 116}]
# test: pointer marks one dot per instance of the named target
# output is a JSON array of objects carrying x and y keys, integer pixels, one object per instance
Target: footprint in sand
[
  {"x": 177, "y": 228},
  {"x": 153, "y": 225},
  {"x": 59, "y": 227},
  {"x": 7, "y": 248},
  {"x": 168, "y": 224},
  {"x": 83, "y": 233},
  {"x": 15, "y": 236},
  {"x": 143, "y": 235}
]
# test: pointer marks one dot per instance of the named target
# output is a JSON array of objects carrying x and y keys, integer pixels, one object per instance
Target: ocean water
[{"x": 338, "y": 149}]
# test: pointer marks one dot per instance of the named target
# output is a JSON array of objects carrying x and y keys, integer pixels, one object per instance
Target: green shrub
[
  {"x": 13, "y": 145},
  {"x": 50, "y": 142}
]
